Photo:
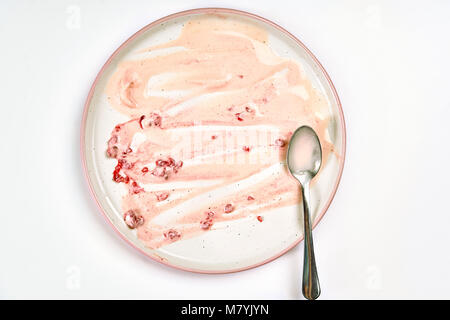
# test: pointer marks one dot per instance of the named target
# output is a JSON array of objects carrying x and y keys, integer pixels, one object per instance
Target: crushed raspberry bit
[
  {"x": 116, "y": 173},
  {"x": 213, "y": 137},
  {"x": 177, "y": 166},
  {"x": 135, "y": 188},
  {"x": 112, "y": 152},
  {"x": 248, "y": 109},
  {"x": 129, "y": 150},
  {"x": 280, "y": 143},
  {"x": 133, "y": 219},
  {"x": 120, "y": 178},
  {"x": 159, "y": 172},
  {"x": 172, "y": 234},
  {"x": 117, "y": 128},
  {"x": 246, "y": 148},
  {"x": 240, "y": 76},
  {"x": 162, "y": 163},
  {"x": 119, "y": 165},
  {"x": 260, "y": 219},
  {"x": 238, "y": 116},
  {"x": 127, "y": 165},
  {"x": 144, "y": 170},
  {"x": 228, "y": 208},
  {"x": 150, "y": 120},
  {"x": 163, "y": 167},
  {"x": 162, "y": 196},
  {"x": 155, "y": 120},
  {"x": 113, "y": 140},
  {"x": 250, "y": 198},
  {"x": 140, "y": 121},
  {"x": 207, "y": 223}
]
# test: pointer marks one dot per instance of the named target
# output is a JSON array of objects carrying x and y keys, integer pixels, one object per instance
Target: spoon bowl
[
  {"x": 304, "y": 159},
  {"x": 304, "y": 154}
]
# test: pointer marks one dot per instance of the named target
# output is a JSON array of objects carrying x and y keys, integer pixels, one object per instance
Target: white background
[{"x": 387, "y": 232}]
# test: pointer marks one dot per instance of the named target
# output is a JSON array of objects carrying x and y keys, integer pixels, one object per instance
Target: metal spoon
[{"x": 304, "y": 158}]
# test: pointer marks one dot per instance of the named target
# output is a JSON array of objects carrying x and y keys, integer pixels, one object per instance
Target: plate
[{"x": 215, "y": 217}]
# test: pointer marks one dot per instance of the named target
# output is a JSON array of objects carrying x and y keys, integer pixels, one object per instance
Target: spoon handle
[{"x": 311, "y": 286}]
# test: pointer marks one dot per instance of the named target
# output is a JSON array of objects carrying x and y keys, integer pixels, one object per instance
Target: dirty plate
[{"x": 234, "y": 244}]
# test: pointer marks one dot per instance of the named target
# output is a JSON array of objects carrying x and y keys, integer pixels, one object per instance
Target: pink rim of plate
[{"x": 209, "y": 11}]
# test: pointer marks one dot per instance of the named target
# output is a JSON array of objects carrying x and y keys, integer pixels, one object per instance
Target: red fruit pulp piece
[
  {"x": 172, "y": 234},
  {"x": 116, "y": 176},
  {"x": 152, "y": 119},
  {"x": 260, "y": 219},
  {"x": 156, "y": 119},
  {"x": 246, "y": 148},
  {"x": 159, "y": 172},
  {"x": 228, "y": 208},
  {"x": 116, "y": 173},
  {"x": 113, "y": 140},
  {"x": 144, "y": 169},
  {"x": 250, "y": 198},
  {"x": 177, "y": 166},
  {"x": 206, "y": 224},
  {"x": 161, "y": 163},
  {"x": 135, "y": 188},
  {"x": 139, "y": 220},
  {"x": 238, "y": 116},
  {"x": 162, "y": 196},
  {"x": 133, "y": 219},
  {"x": 127, "y": 165},
  {"x": 112, "y": 152},
  {"x": 280, "y": 142},
  {"x": 140, "y": 121}
]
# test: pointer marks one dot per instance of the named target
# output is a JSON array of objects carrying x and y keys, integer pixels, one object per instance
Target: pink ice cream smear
[{"x": 210, "y": 117}]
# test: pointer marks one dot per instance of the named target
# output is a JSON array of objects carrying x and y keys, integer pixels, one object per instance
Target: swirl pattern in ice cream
[{"x": 210, "y": 116}]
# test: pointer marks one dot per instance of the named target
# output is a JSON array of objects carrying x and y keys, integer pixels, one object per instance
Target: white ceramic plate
[{"x": 245, "y": 244}]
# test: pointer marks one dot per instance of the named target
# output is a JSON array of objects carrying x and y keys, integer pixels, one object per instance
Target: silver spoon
[{"x": 304, "y": 158}]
